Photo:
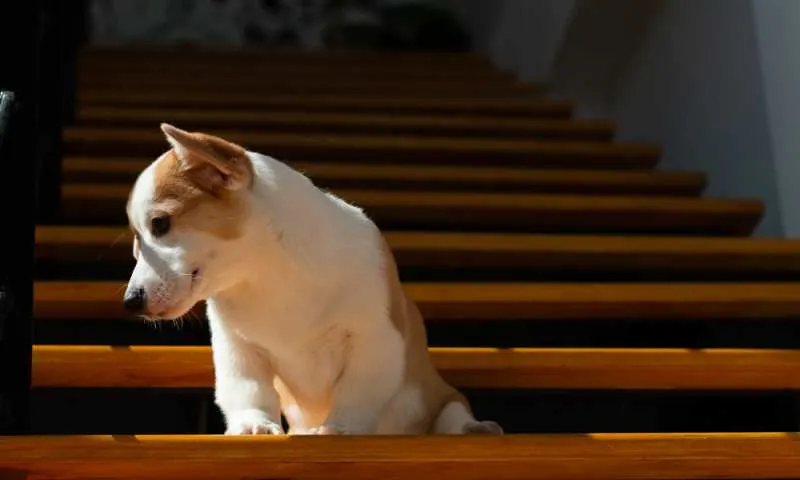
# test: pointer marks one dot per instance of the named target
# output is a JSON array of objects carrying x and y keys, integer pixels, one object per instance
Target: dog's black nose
[{"x": 134, "y": 300}]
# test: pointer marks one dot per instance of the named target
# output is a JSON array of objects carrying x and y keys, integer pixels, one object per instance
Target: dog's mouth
[{"x": 195, "y": 276}]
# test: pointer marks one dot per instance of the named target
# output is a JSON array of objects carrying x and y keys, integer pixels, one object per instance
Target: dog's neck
[{"x": 290, "y": 235}]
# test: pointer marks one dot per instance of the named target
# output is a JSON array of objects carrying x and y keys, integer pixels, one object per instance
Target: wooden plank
[
  {"x": 331, "y": 103},
  {"x": 79, "y": 366},
  {"x": 434, "y": 177},
  {"x": 512, "y": 457},
  {"x": 270, "y": 71},
  {"x": 159, "y": 55},
  {"x": 510, "y": 211},
  {"x": 321, "y": 122},
  {"x": 312, "y": 86},
  {"x": 502, "y": 301},
  {"x": 476, "y": 250},
  {"x": 377, "y": 148}
]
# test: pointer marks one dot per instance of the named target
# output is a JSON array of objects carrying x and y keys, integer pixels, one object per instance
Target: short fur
[{"x": 307, "y": 314}]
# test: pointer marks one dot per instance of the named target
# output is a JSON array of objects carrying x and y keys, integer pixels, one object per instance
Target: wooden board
[
  {"x": 512, "y": 457},
  {"x": 502, "y": 301},
  {"x": 312, "y": 86},
  {"x": 375, "y": 149},
  {"x": 77, "y": 366},
  {"x": 357, "y": 123},
  {"x": 502, "y": 212},
  {"x": 433, "y": 177},
  {"x": 331, "y": 103},
  {"x": 462, "y": 250},
  {"x": 127, "y": 55}
]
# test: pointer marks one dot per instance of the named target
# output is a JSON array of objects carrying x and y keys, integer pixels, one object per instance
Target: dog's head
[{"x": 186, "y": 210}]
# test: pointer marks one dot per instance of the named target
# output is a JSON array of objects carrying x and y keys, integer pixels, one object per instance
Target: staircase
[{"x": 616, "y": 321}]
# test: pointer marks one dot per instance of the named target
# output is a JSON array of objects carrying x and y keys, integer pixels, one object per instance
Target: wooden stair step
[
  {"x": 286, "y": 72},
  {"x": 658, "y": 456},
  {"x": 462, "y": 250},
  {"x": 379, "y": 148},
  {"x": 94, "y": 366},
  {"x": 132, "y": 57},
  {"x": 322, "y": 122},
  {"x": 368, "y": 88},
  {"x": 511, "y": 211},
  {"x": 330, "y": 103},
  {"x": 501, "y": 301},
  {"x": 434, "y": 177}
]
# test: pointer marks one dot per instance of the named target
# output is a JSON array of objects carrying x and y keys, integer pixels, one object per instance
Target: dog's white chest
[{"x": 307, "y": 350}]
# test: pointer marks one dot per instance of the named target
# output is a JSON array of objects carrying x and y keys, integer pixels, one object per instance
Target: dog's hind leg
[{"x": 456, "y": 418}]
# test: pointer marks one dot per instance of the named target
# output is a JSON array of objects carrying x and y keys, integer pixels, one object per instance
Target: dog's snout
[{"x": 134, "y": 300}]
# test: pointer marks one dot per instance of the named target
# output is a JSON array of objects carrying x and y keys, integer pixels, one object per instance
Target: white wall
[
  {"x": 694, "y": 85},
  {"x": 778, "y": 35},
  {"x": 520, "y": 35}
]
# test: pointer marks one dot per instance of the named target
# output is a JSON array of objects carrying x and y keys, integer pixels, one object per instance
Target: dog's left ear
[{"x": 217, "y": 160}]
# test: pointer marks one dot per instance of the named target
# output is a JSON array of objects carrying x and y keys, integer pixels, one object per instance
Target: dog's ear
[{"x": 214, "y": 159}]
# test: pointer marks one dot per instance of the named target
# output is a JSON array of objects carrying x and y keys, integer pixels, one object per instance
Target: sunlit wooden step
[
  {"x": 55, "y": 301},
  {"x": 356, "y": 123},
  {"x": 375, "y": 149},
  {"x": 94, "y": 366},
  {"x": 433, "y": 177},
  {"x": 511, "y": 457},
  {"x": 457, "y": 251},
  {"x": 507, "y": 212}
]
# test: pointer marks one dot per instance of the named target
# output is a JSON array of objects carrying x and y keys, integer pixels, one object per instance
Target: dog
[{"x": 306, "y": 311}]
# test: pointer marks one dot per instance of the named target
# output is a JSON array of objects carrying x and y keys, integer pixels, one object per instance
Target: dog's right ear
[{"x": 217, "y": 160}]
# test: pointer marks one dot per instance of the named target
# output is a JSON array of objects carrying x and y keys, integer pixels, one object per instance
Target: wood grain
[
  {"x": 512, "y": 457},
  {"x": 502, "y": 212},
  {"x": 476, "y": 250},
  {"x": 376, "y": 149},
  {"x": 550, "y": 368},
  {"x": 358, "y": 123},
  {"x": 312, "y": 86},
  {"x": 502, "y": 301},
  {"x": 434, "y": 177},
  {"x": 331, "y": 103}
]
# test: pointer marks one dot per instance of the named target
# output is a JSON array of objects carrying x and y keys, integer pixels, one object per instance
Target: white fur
[{"x": 298, "y": 309}]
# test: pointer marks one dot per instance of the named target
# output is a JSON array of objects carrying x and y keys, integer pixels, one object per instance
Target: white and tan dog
[{"x": 305, "y": 307}]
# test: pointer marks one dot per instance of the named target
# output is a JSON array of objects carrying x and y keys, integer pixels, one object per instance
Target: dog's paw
[
  {"x": 482, "y": 428},
  {"x": 325, "y": 430},
  {"x": 252, "y": 422}
]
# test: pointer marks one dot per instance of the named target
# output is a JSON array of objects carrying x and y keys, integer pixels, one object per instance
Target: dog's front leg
[
  {"x": 372, "y": 376},
  {"x": 244, "y": 387}
]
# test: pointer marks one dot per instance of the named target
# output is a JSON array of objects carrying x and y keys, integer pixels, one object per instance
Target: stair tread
[
  {"x": 339, "y": 121},
  {"x": 355, "y": 142},
  {"x": 512, "y": 457},
  {"x": 492, "y": 210},
  {"x": 64, "y": 243},
  {"x": 437, "y": 176},
  {"x": 100, "y": 366},
  {"x": 357, "y": 88},
  {"x": 311, "y": 103},
  {"x": 55, "y": 300}
]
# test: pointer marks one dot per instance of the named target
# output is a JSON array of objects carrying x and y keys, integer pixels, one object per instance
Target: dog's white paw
[
  {"x": 321, "y": 430},
  {"x": 252, "y": 422},
  {"x": 482, "y": 428}
]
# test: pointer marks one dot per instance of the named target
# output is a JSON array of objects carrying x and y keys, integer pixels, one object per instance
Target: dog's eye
[{"x": 159, "y": 226}]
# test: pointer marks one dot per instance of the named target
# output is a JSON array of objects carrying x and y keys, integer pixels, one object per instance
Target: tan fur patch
[{"x": 192, "y": 198}]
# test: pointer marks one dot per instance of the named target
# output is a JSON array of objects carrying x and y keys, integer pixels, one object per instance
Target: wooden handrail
[
  {"x": 512, "y": 457},
  {"x": 549, "y": 368}
]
